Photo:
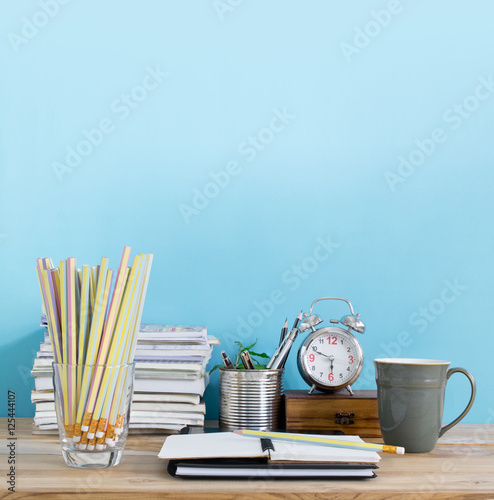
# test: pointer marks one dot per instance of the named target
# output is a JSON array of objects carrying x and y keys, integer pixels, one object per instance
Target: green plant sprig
[{"x": 238, "y": 364}]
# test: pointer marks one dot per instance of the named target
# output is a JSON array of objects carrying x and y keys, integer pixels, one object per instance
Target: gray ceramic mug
[{"x": 410, "y": 394}]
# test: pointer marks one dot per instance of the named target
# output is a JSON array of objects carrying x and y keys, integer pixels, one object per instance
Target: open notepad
[{"x": 226, "y": 454}]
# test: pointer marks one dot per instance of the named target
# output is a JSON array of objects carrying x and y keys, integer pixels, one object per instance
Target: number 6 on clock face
[{"x": 330, "y": 359}]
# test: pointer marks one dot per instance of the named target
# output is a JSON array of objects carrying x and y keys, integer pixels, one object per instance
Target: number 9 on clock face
[{"x": 330, "y": 359}]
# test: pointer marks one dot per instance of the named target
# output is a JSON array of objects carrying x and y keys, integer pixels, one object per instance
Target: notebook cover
[{"x": 256, "y": 463}]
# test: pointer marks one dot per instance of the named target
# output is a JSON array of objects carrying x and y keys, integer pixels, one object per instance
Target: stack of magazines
[{"x": 170, "y": 379}]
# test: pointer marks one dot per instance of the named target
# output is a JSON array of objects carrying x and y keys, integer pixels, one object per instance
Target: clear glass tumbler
[{"x": 92, "y": 403}]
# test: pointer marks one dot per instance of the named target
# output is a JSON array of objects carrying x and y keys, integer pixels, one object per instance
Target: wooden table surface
[{"x": 461, "y": 466}]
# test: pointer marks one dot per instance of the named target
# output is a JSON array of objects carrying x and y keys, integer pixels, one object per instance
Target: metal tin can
[{"x": 251, "y": 399}]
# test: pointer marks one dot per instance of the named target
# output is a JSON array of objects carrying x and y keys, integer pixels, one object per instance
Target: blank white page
[{"x": 210, "y": 445}]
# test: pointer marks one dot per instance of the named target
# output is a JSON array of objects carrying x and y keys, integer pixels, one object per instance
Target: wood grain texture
[
  {"x": 317, "y": 412},
  {"x": 461, "y": 466}
]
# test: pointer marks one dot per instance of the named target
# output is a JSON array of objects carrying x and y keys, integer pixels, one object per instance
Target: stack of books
[{"x": 170, "y": 379}]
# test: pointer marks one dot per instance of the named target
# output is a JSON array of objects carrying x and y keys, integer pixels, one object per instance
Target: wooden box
[{"x": 322, "y": 413}]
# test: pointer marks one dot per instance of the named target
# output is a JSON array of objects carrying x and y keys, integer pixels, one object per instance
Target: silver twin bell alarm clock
[{"x": 331, "y": 358}]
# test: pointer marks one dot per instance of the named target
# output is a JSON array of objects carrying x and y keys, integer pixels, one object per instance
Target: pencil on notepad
[{"x": 308, "y": 439}]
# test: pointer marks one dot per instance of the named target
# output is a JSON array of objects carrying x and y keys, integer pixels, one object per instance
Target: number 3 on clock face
[{"x": 330, "y": 359}]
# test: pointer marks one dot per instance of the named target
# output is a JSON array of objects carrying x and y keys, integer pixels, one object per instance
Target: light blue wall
[{"x": 397, "y": 238}]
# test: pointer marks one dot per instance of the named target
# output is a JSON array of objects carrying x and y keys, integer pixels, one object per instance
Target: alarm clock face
[{"x": 331, "y": 359}]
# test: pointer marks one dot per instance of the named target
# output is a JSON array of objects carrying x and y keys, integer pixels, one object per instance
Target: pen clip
[{"x": 267, "y": 444}]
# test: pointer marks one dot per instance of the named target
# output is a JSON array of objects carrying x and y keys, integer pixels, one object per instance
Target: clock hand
[
  {"x": 331, "y": 358},
  {"x": 322, "y": 354}
]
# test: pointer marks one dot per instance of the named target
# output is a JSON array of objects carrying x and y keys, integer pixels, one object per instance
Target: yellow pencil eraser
[
  {"x": 90, "y": 435},
  {"x": 100, "y": 434},
  {"x": 76, "y": 439},
  {"x": 82, "y": 446},
  {"x": 90, "y": 447},
  {"x": 100, "y": 446}
]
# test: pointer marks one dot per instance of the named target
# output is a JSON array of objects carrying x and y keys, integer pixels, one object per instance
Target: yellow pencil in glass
[
  {"x": 70, "y": 287},
  {"x": 98, "y": 319},
  {"x": 96, "y": 386},
  {"x": 119, "y": 345},
  {"x": 120, "y": 403},
  {"x": 99, "y": 310}
]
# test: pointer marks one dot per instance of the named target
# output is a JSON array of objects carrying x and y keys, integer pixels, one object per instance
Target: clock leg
[
  {"x": 349, "y": 389},
  {"x": 312, "y": 389}
]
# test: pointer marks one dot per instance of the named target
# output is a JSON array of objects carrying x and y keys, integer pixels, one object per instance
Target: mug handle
[{"x": 470, "y": 403}]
